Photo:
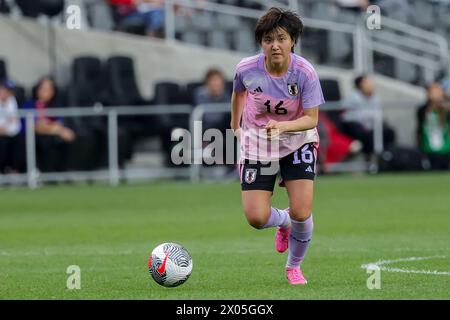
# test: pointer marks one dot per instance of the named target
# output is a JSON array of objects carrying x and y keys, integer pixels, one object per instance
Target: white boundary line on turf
[{"x": 381, "y": 263}]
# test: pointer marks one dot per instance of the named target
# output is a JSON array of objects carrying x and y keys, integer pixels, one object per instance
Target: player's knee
[
  {"x": 300, "y": 213},
  {"x": 255, "y": 218},
  {"x": 256, "y": 223}
]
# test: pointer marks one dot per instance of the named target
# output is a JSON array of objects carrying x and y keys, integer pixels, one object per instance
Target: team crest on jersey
[
  {"x": 250, "y": 175},
  {"x": 293, "y": 88}
]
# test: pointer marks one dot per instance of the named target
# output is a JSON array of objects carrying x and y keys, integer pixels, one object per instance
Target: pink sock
[
  {"x": 299, "y": 239},
  {"x": 278, "y": 218}
]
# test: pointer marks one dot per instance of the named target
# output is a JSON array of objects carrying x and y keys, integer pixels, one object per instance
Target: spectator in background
[
  {"x": 121, "y": 9},
  {"x": 334, "y": 146},
  {"x": 9, "y": 128},
  {"x": 149, "y": 12},
  {"x": 52, "y": 137},
  {"x": 213, "y": 91},
  {"x": 433, "y": 127},
  {"x": 353, "y": 5},
  {"x": 358, "y": 121}
]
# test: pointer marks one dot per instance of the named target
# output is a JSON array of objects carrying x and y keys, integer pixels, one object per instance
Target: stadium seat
[
  {"x": 87, "y": 88},
  {"x": 218, "y": 39},
  {"x": 405, "y": 71},
  {"x": 423, "y": 15},
  {"x": 332, "y": 92},
  {"x": 384, "y": 64},
  {"x": 3, "y": 71},
  {"x": 122, "y": 90},
  {"x": 122, "y": 86},
  {"x": 33, "y": 9},
  {"x": 339, "y": 47},
  {"x": 244, "y": 38},
  {"x": 4, "y": 7},
  {"x": 227, "y": 22},
  {"x": 250, "y": 4},
  {"x": 169, "y": 93},
  {"x": 88, "y": 85},
  {"x": 331, "y": 89},
  {"x": 99, "y": 14},
  {"x": 190, "y": 90},
  {"x": 444, "y": 16},
  {"x": 202, "y": 21},
  {"x": 50, "y": 8},
  {"x": 321, "y": 10},
  {"x": 28, "y": 8},
  {"x": 229, "y": 2},
  {"x": 20, "y": 95},
  {"x": 194, "y": 37}
]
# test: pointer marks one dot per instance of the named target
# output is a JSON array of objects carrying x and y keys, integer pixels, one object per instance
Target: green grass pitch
[{"x": 110, "y": 231}]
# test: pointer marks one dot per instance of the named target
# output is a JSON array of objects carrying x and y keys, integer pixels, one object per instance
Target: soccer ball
[{"x": 170, "y": 264}]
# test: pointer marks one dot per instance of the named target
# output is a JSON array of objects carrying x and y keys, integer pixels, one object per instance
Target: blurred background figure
[
  {"x": 53, "y": 138},
  {"x": 334, "y": 146},
  {"x": 213, "y": 91},
  {"x": 433, "y": 127},
  {"x": 358, "y": 121},
  {"x": 9, "y": 128},
  {"x": 134, "y": 13},
  {"x": 354, "y": 5}
]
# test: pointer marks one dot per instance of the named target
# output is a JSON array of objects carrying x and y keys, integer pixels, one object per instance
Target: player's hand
[
  {"x": 237, "y": 133},
  {"x": 67, "y": 135},
  {"x": 274, "y": 129}
]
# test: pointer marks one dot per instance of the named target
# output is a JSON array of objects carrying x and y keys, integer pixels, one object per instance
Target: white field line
[{"x": 382, "y": 263}]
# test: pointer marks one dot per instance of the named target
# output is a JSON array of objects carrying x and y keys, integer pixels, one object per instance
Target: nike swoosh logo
[{"x": 162, "y": 267}]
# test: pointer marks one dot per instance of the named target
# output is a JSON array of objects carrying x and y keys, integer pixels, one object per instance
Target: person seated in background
[
  {"x": 9, "y": 128},
  {"x": 214, "y": 91},
  {"x": 334, "y": 146},
  {"x": 353, "y": 5},
  {"x": 433, "y": 127},
  {"x": 149, "y": 12},
  {"x": 52, "y": 137},
  {"x": 120, "y": 9},
  {"x": 358, "y": 121}
]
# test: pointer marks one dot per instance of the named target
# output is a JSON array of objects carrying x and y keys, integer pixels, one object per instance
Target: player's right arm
[{"x": 237, "y": 107}]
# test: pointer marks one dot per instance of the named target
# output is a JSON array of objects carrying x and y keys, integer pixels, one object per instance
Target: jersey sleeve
[
  {"x": 312, "y": 95},
  {"x": 238, "y": 84}
]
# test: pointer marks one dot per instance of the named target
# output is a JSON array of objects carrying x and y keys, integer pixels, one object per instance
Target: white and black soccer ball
[{"x": 170, "y": 264}]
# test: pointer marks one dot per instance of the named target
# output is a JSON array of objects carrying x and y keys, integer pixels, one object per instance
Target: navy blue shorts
[{"x": 298, "y": 165}]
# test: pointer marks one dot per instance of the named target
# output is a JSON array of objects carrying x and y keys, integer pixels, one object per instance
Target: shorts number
[
  {"x": 307, "y": 156},
  {"x": 278, "y": 108}
]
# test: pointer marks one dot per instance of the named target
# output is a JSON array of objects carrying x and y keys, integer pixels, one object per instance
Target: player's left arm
[{"x": 308, "y": 121}]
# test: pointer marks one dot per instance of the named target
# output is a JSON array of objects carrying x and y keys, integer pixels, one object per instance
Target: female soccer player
[{"x": 277, "y": 94}]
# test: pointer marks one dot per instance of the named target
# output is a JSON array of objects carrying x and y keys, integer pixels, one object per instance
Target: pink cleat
[
  {"x": 282, "y": 239},
  {"x": 295, "y": 276}
]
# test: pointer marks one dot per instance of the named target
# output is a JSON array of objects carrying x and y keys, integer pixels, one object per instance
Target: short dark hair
[
  {"x": 213, "y": 72},
  {"x": 359, "y": 80},
  {"x": 279, "y": 18}
]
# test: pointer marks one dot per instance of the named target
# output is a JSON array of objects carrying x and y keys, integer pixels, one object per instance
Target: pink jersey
[{"x": 279, "y": 98}]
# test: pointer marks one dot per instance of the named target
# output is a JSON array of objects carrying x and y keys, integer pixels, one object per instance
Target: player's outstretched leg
[
  {"x": 282, "y": 234},
  {"x": 299, "y": 239}
]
